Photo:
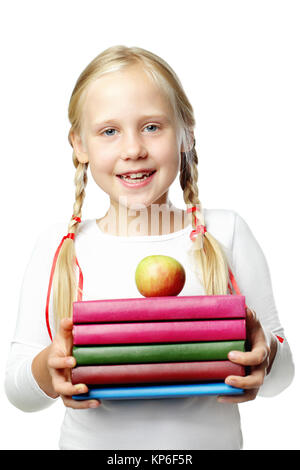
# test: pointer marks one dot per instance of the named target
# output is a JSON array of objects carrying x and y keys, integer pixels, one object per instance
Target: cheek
[
  {"x": 171, "y": 160},
  {"x": 101, "y": 166},
  {"x": 166, "y": 152},
  {"x": 100, "y": 162},
  {"x": 101, "y": 171}
]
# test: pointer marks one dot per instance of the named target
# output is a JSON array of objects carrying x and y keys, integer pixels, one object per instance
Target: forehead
[{"x": 122, "y": 92}]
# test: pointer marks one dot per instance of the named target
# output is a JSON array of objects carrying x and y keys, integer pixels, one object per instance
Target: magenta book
[
  {"x": 159, "y": 308},
  {"x": 159, "y": 332},
  {"x": 155, "y": 372}
]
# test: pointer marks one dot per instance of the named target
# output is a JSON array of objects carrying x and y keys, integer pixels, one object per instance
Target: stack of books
[{"x": 157, "y": 347}]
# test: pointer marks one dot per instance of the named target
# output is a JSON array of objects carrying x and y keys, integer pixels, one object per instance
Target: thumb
[{"x": 65, "y": 328}]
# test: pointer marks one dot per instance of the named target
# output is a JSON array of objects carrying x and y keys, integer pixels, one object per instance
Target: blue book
[{"x": 159, "y": 391}]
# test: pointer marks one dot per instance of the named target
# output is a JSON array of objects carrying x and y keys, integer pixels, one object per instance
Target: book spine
[
  {"x": 159, "y": 308},
  {"x": 159, "y": 332},
  {"x": 158, "y": 372},
  {"x": 143, "y": 353},
  {"x": 159, "y": 391}
]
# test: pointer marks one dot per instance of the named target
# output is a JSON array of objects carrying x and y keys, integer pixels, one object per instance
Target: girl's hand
[
  {"x": 259, "y": 359},
  {"x": 60, "y": 362}
]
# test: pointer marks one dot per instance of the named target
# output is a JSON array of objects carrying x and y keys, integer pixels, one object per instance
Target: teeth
[{"x": 136, "y": 175}]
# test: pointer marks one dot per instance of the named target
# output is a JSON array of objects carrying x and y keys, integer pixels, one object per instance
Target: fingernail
[
  {"x": 94, "y": 404},
  {"x": 71, "y": 361},
  {"x": 80, "y": 388},
  {"x": 231, "y": 381},
  {"x": 233, "y": 355}
]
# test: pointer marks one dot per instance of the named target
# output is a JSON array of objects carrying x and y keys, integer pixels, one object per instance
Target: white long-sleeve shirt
[{"x": 108, "y": 264}]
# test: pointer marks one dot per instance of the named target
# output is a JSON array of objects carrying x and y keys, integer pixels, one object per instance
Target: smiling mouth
[{"x": 132, "y": 180}]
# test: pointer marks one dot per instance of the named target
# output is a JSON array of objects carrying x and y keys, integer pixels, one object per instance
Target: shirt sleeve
[
  {"x": 252, "y": 274},
  {"x": 31, "y": 334}
]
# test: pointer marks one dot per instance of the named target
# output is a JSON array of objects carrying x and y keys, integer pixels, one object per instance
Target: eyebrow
[{"x": 142, "y": 118}]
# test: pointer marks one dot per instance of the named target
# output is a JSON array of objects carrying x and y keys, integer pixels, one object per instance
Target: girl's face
[{"x": 128, "y": 125}]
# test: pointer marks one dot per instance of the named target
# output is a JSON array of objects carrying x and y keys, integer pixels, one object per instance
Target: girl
[{"x": 130, "y": 114}]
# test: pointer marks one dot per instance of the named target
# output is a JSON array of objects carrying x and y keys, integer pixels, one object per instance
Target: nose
[{"x": 133, "y": 146}]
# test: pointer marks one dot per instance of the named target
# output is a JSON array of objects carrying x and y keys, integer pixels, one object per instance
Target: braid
[
  {"x": 80, "y": 181},
  {"x": 64, "y": 279},
  {"x": 206, "y": 251},
  {"x": 188, "y": 181}
]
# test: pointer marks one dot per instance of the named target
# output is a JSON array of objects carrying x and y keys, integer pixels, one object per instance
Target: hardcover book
[
  {"x": 160, "y": 352},
  {"x": 159, "y": 308},
  {"x": 159, "y": 332},
  {"x": 156, "y": 372},
  {"x": 159, "y": 391}
]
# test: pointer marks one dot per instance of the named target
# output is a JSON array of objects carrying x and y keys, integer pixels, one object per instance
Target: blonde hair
[{"x": 208, "y": 256}]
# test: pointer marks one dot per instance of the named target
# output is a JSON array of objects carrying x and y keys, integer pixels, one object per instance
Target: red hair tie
[
  {"x": 70, "y": 235},
  {"x": 199, "y": 228},
  {"x": 80, "y": 282},
  {"x": 191, "y": 209}
]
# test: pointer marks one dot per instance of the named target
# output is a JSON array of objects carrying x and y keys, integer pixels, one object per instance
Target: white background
[{"x": 239, "y": 64}]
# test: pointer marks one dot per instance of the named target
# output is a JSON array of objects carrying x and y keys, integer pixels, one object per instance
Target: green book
[{"x": 141, "y": 353}]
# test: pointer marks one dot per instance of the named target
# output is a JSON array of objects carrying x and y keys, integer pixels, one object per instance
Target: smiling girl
[
  {"x": 133, "y": 126},
  {"x": 129, "y": 128}
]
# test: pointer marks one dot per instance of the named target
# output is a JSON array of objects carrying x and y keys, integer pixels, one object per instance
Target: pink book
[
  {"x": 159, "y": 332},
  {"x": 159, "y": 308},
  {"x": 156, "y": 372}
]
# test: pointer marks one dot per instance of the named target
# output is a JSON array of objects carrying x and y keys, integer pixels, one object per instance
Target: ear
[{"x": 79, "y": 148}]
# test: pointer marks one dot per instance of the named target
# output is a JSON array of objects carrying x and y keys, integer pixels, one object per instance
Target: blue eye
[
  {"x": 109, "y": 130},
  {"x": 151, "y": 125},
  {"x": 113, "y": 130}
]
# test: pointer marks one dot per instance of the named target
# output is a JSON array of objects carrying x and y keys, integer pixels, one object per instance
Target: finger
[
  {"x": 248, "y": 395},
  {"x": 255, "y": 332},
  {"x": 80, "y": 404},
  {"x": 254, "y": 380},
  {"x": 56, "y": 362},
  {"x": 60, "y": 377},
  {"x": 67, "y": 388},
  {"x": 251, "y": 318},
  {"x": 249, "y": 358}
]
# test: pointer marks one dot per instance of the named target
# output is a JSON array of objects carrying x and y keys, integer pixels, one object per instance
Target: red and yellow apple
[{"x": 159, "y": 276}]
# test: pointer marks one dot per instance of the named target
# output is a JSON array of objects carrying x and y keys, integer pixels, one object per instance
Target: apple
[{"x": 159, "y": 276}]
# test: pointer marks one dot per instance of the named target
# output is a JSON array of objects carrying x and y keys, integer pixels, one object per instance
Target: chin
[{"x": 138, "y": 205}]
